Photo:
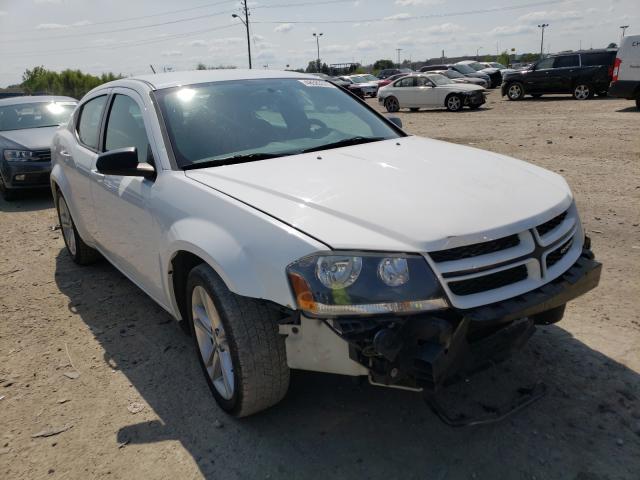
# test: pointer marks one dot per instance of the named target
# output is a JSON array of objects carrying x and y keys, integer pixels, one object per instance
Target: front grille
[
  {"x": 42, "y": 155},
  {"x": 475, "y": 250},
  {"x": 489, "y": 282},
  {"x": 551, "y": 224},
  {"x": 557, "y": 255}
]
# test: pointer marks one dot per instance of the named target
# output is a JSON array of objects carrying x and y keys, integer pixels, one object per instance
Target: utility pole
[
  {"x": 478, "y": 53},
  {"x": 398, "y": 50},
  {"x": 318, "y": 35},
  {"x": 245, "y": 10},
  {"x": 542, "y": 26},
  {"x": 623, "y": 28}
]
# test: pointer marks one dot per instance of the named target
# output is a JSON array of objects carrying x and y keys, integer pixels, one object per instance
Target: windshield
[
  {"x": 453, "y": 74},
  {"x": 359, "y": 80},
  {"x": 35, "y": 115},
  {"x": 439, "y": 79},
  {"x": 462, "y": 68},
  {"x": 499, "y": 66},
  {"x": 477, "y": 66},
  {"x": 256, "y": 119},
  {"x": 370, "y": 78}
]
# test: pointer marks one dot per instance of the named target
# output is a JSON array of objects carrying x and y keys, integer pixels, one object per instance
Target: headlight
[
  {"x": 17, "y": 155},
  {"x": 333, "y": 284}
]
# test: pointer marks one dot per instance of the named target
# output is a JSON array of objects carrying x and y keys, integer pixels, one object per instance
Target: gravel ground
[{"x": 84, "y": 351}]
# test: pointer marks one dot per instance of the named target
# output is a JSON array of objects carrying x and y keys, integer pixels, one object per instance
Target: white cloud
[
  {"x": 507, "y": 30},
  {"x": 82, "y": 23},
  {"x": 197, "y": 43},
  {"x": 335, "y": 48},
  {"x": 51, "y": 26},
  {"x": 40, "y": 2},
  {"x": 444, "y": 28},
  {"x": 398, "y": 16},
  {"x": 283, "y": 28},
  {"x": 366, "y": 45},
  {"x": 172, "y": 53},
  {"x": 417, "y": 3},
  {"x": 550, "y": 16}
]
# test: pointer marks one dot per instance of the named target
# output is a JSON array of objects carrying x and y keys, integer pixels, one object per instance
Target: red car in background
[{"x": 392, "y": 78}]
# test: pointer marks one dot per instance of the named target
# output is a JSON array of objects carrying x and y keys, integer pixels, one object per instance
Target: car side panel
[{"x": 235, "y": 239}]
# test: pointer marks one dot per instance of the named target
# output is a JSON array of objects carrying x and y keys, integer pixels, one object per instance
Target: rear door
[
  {"x": 78, "y": 160},
  {"x": 566, "y": 70}
]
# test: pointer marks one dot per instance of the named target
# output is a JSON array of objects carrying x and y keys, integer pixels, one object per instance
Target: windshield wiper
[
  {"x": 233, "y": 159},
  {"x": 344, "y": 143}
]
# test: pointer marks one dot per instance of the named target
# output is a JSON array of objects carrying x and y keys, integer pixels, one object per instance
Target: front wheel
[
  {"x": 240, "y": 350},
  {"x": 454, "y": 103},
  {"x": 515, "y": 91},
  {"x": 582, "y": 91},
  {"x": 392, "y": 105}
]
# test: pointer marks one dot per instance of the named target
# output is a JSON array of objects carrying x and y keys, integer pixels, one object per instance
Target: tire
[
  {"x": 240, "y": 336},
  {"x": 515, "y": 91},
  {"x": 583, "y": 91},
  {"x": 8, "y": 194},
  {"x": 454, "y": 102},
  {"x": 536, "y": 95},
  {"x": 80, "y": 252},
  {"x": 391, "y": 104}
]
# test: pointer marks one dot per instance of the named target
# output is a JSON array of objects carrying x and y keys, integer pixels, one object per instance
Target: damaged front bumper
[{"x": 427, "y": 351}]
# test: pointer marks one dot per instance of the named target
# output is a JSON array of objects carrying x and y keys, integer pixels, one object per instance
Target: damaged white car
[{"x": 289, "y": 225}]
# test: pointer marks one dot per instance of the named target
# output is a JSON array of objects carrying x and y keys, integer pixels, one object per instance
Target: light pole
[
  {"x": 318, "y": 35},
  {"x": 542, "y": 26},
  {"x": 246, "y": 25},
  {"x": 398, "y": 50},
  {"x": 623, "y": 28},
  {"x": 477, "y": 53}
]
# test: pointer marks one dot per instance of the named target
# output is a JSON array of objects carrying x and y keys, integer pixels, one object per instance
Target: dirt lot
[{"x": 57, "y": 318}]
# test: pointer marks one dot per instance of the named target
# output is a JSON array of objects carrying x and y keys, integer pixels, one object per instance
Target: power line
[{"x": 418, "y": 17}]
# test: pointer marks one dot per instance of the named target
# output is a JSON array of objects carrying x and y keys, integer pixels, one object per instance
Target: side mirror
[
  {"x": 395, "y": 120},
  {"x": 124, "y": 162}
]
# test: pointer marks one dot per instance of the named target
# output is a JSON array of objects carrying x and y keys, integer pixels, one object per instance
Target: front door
[
  {"x": 427, "y": 95},
  {"x": 126, "y": 228},
  {"x": 540, "y": 80}
]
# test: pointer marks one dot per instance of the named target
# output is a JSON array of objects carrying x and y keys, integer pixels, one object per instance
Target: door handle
[{"x": 64, "y": 153}]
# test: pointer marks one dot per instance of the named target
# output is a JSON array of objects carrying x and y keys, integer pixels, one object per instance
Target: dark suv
[{"x": 582, "y": 74}]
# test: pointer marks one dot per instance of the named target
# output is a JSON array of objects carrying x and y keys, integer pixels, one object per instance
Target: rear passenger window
[
  {"x": 602, "y": 58},
  {"x": 89, "y": 123},
  {"x": 567, "y": 61},
  {"x": 125, "y": 128}
]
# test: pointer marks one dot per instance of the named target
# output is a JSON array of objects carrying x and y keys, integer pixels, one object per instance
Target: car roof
[
  {"x": 586, "y": 52},
  {"x": 175, "y": 79},
  {"x": 35, "y": 99}
]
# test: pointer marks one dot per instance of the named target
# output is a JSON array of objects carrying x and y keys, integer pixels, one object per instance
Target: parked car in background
[
  {"x": 465, "y": 70},
  {"x": 582, "y": 74},
  {"x": 27, "y": 125},
  {"x": 493, "y": 73},
  {"x": 387, "y": 72},
  {"x": 625, "y": 82},
  {"x": 417, "y": 91},
  {"x": 388, "y": 80},
  {"x": 503, "y": 70},
  {"x": 368, "y": 86},
  {"x": 341, "y": 82},
  {"x": 459, "y": 78},
  {"x": 288, "y": 225}
]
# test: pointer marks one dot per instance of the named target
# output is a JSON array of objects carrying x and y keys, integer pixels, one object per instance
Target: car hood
[
  {"x": 31, "y": 138},
  {"x": 410, "y": 194},
  {"x": 489, "y": 70}
]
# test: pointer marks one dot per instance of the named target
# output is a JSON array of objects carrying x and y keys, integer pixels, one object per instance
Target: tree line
[{"x": 70, "y": 83}]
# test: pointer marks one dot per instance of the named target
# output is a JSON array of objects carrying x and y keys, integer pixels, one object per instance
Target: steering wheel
[{"x": 318, "y": 128}]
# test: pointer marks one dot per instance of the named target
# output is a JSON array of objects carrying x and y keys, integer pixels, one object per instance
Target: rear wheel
[
  {"x": 582, "y": 91},
  {"x": 80, "y": 252},
  {"x": 240, "y": 350},
  {"x": 515, "y": 91},
  {"x": 454, "y": 102},
  {"x": 392, "y": 105}
]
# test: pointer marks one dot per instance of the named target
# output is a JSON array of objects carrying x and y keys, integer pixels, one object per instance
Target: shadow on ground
[
  {"x": 29, "y": 201},
  {"x": 331, "y": 427}
]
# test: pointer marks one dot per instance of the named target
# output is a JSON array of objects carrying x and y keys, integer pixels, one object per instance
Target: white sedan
[
  {"x": 287, "y": 224},
  {"x": 430, "y": 91}
]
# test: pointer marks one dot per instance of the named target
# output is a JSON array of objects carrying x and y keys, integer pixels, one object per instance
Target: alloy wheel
[
  {"x": 392, "y": 104},
  {"x": 515, "y": 91},
  {"x": 454, "y": 103},
  {"x": 212, "y": 342},
  {"x": 66, "y": 224},
  {"x": 581, "y": 92}
]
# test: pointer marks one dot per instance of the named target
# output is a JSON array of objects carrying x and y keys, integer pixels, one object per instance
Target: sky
[{"x": 126, "y": 36}]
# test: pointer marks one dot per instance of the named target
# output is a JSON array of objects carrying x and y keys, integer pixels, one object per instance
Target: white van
[{"x": 626, "y": 70}]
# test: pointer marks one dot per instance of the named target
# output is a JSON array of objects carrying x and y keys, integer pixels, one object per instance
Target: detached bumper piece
[
  {"x": 430, "y": 351},
  {"x": 475, "y": 98}
]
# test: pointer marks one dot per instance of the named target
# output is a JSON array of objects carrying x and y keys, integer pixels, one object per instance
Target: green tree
[
  {"x": 71, "y": 83},
  {"x": 382, "y": 64}
]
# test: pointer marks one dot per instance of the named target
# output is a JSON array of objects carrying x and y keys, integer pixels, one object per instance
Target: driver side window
[
  {"x": 544, "y": 64},
  {"x": 125, "y": 128},
  {"x": 423, "y": 82}
]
